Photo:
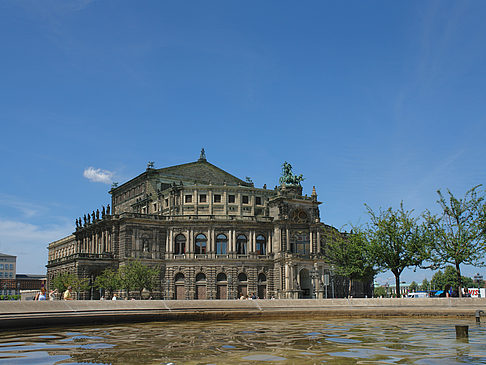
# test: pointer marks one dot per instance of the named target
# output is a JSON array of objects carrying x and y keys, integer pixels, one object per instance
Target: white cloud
[
  {"x": 29, "y": 243},
  {"x": 98, "y": 175}
]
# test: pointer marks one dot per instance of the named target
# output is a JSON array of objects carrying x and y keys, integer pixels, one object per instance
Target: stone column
[
  {"x": 311, "y": 236},
  {"x": 287, "y": 241},
  {"x": 318, "y": 241},
  {"x": 210, "y": 201},
  {"x": 171, "y": 242},
  {"x": 212, "y": 241},
  {"x": 253, "y": 241}
]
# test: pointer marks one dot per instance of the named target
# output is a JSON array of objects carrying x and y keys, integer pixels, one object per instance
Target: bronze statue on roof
[{"x": 288, "y": 177}]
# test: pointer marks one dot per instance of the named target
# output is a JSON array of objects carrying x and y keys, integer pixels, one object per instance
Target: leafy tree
[
  {"x": 458, "y": 234},
  {"x": 80, "y": 285},
  {"x": 442, "y": 280},
  {"x": 351, "y": 255},
  {"x": 62, "y": 281},
  {"x": 137, "y": 276},
  {"x": 425, "y": 285},
  {"x": 379, "y": 292},
  {"x": 108, "y": 280},
  {"x": 413, "y": 287},
  {"x": 398, "y": 240},
  {"x": 438, "y": 281}
]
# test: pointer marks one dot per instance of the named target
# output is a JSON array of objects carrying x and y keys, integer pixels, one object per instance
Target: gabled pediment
[{"x": 201, "y": 172}]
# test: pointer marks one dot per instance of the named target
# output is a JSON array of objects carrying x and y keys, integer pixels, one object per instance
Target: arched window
[
  {"x": 179, "y": 278},
  {"x": 241, "y": 244},
  {"x": 242, "y": 277},
  {"x": 221, "y": 277},
  {"x": 262, "y": 278},
  {"x": 180, "y": 244},
  {"x": 200, "y": 278},
  {"x": 221, "y": 244},
  {"x": 201, "y": 242},
  {"x": 261, "y": 245}
]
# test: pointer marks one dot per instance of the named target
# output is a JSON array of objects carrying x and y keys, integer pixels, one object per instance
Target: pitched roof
[{"x": 200, "y": 171}]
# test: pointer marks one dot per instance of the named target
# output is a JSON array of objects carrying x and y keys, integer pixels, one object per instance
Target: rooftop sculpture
[{"x": 288, "y": 177}]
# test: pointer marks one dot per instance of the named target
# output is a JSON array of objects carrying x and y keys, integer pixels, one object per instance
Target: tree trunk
[
  {"x": 349, "y": 287},
  {"x": 397, "y": 285},
  {"x": 458, "y": 276}
]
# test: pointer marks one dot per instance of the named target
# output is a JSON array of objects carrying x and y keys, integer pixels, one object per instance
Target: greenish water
[{"x": 293, "y": 341}]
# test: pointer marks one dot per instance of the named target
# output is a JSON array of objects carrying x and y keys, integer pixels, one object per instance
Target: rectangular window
[
  {"x": 202, "y": 198},
  {"x": 11, "y": 274},
  {"x": 258, "y": 200},
  {"x": 217, "y": 198},
  {"x": 245, "y": 199},
  {"x": 1, "y": 266},
  {"x": 167, "y": 202},
  {"x": 155, "y": 207},
  {"x": 188, "y": 199},
  {"x": 11, "y": 266},
  {"x": 231, "y": 198},
  {"x": 1, "y": 274}
]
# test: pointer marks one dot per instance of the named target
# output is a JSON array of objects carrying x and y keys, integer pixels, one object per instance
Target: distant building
[
  {"x": 31, "y": 282},
  {"x": 8, "y": 269},
  {"x": 214, "y": 235}
]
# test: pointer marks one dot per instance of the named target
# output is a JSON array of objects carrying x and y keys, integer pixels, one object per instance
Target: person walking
[{"x": 67, "y": 294}]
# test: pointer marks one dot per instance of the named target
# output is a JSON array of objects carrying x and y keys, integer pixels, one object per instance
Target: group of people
[
  {"x": 252, "y": 296},
  {"x": 42, "y": 294}
]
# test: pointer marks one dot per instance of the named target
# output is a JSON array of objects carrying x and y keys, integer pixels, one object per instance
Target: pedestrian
[
  {"x": 67, "y": 294},
  {"x": 53, "y": 294}
]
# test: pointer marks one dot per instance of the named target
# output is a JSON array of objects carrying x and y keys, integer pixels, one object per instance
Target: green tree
[
  {"x": 379, "y": 292},
  {"x": 443, "y": 280},
  {"x": 137, "y": 276},
  {"x": 109, "y": 280},
  {"x": 397, "y": 239},
  {"x": 350, "y": 254},
  {"x": 80, "y": 285},
  {"x": 62, "y": 281},
  {"x": 425, "y": 286},
  {"x": 413, "y": 287},
  {"x": 458, "y": 233},
  {"x": 438, "y": 281}
]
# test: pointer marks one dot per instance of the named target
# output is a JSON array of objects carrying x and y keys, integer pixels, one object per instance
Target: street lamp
[{"x": 478, "y": 278}]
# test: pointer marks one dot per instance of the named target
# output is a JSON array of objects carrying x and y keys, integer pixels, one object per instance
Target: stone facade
[{"x": 214, "y": 236}]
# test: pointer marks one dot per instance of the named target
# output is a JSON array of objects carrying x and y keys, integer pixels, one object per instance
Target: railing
[
  {"x": 82, "y": 255},
  {"x": 193, "y": 217}
]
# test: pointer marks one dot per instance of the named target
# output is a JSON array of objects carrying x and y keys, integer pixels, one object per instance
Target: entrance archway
[
  {"x": 305, "y": 283},
  {"x": 201, "y": 286},
  {"x": 221, "y": 286},
  {"x": 262, "y": 286},
  {"x": 242, "y": 285},
  {"x": 179, "y": 289}
]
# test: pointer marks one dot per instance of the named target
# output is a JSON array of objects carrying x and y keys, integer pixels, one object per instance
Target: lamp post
[{"x": 477, "y": 279}]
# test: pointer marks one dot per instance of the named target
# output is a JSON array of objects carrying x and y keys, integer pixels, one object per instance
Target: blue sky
[{"x": 373, "y": 102}]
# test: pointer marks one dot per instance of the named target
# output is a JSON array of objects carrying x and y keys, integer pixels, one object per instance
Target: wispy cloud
[
  {"x": 98, "y": 175},
  {"x": 27, "y": 209},
  {"x": 29, "y": 242}
]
